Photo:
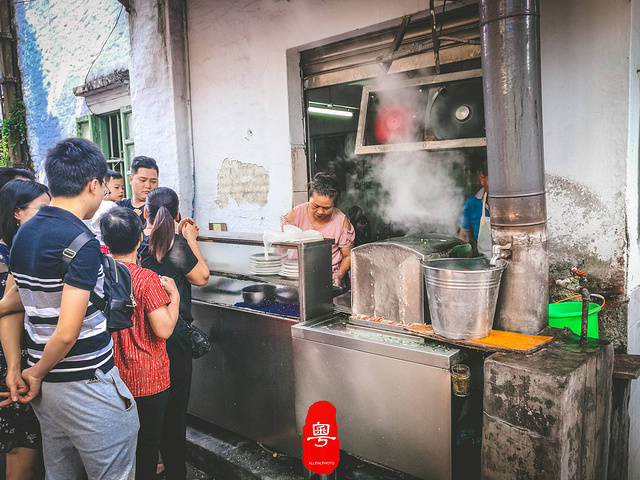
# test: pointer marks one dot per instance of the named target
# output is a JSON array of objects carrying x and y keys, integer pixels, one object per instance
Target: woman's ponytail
[
  {"x": 162, "y": 210},
  {"x": 161, "y": 236}
]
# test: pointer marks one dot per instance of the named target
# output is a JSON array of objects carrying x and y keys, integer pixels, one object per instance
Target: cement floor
[
  {"x": 217, "y": 454},
  {"x": 227, "y": 456}
]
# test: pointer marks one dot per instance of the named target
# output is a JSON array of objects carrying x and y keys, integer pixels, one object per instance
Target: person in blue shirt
[
  {"x": 475, "y": 227},
  {"x": 88, "y": 416}
]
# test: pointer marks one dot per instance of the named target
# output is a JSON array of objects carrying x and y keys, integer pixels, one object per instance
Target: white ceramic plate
[
  {"x": 289, "y": 275},
  {"x": 260, "y": 258},
  {"x": 268, "y": 269}
]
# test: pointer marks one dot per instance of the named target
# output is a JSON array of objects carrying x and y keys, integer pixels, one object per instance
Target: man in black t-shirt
[{"x": 143, "y": 179}]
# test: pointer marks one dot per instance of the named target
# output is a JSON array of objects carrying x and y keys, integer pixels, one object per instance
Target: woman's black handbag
[{"x": 200, "y": 343}]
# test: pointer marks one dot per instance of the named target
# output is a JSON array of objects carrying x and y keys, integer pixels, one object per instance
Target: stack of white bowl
[
  {"x": 290, "y": 268},
  {"x": 259, "y": 264}
]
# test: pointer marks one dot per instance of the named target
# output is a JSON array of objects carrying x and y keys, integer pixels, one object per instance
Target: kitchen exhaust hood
[{"x": 440, "y": 112}]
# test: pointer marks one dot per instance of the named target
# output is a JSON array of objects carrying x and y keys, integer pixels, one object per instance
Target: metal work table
[
  {"x": 246, "y": 383},
  {"x": 391, "y": 391}
]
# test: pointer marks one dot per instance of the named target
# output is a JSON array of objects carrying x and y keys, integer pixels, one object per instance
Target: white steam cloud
[{"x": 419, "y": 194}]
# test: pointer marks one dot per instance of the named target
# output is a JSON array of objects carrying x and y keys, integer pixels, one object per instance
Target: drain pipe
[{"x": 513, "y": 117}]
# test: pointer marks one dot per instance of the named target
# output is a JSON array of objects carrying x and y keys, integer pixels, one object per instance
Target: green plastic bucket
[{"x": 569, "y": 314}]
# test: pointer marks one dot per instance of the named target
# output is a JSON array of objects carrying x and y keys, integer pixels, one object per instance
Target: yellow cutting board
[{"x": 497, "y": 341}]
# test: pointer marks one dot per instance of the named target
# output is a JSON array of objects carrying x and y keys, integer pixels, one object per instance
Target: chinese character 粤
[{"x": 321, "y": 434}]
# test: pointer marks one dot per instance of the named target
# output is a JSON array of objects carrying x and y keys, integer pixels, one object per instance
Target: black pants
[
  {"x": 173, "y": 446},
  {"x": 151, "y": 411}
]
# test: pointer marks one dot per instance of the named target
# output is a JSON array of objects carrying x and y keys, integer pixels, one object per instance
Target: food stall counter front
[
  {"x": 246, "y": 383},
  {"x": 392, "y": 393},
  {"x": 392, "y": 390}
]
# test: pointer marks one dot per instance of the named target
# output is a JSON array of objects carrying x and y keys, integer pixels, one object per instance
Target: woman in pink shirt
[{"x": 320, "y": 214}]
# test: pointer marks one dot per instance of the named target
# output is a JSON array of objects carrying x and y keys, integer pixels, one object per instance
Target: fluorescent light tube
[{"x": 330, "y": 111}]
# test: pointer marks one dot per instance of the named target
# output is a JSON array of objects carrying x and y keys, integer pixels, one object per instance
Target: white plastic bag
[{"x": 290, "y": 233}]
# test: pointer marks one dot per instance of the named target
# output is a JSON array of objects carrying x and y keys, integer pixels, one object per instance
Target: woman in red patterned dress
[{"x": 140, "y": 352}]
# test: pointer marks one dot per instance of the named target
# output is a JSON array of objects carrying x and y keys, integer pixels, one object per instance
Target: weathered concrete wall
[
  {"x": 160, "y": 93},
  {"x": 634, "y": 232},
  {"x": 619, "y": 464},
  {"x": 240, "y": 107},
  {"x": 60, "y": 46},
  {"x": 591, "y": 114},
  {"x": 546, "y": 415},
  {"x": 586, "y": 109}
]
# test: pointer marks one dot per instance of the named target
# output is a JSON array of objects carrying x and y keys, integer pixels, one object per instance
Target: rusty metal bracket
[
  {"x": 434, "y": 33},
  {"x": 386, "y": 64}
]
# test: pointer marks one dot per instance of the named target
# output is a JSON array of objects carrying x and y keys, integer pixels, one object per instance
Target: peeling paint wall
[
  {"x": 62, "y": 44},
  {"x": 244, "y": 183},
  {"x": 590, "y": 88},
  {"x": 160, "y": 99}
]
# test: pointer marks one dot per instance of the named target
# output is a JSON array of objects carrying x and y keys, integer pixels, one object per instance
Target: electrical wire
[{"x": 104, "y": 44}]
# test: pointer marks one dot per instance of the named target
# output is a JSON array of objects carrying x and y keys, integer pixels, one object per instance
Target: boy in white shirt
[{"x": 115, "y": 184}]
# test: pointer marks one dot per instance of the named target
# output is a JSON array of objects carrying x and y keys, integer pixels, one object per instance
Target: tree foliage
[{"x": 13, "y": 131}]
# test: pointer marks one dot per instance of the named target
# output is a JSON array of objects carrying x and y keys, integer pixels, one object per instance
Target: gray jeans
[{"x": 89, "y": 425}]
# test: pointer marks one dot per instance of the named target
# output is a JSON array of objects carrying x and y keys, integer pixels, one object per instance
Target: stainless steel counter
[
  {"x": 392, "y": 393},
  {"x": 245, "y": 384},
  {"x": 228, "y": 257}
]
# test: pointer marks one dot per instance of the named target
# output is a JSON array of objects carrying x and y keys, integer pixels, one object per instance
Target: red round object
[{"x": 394, "y": 123}]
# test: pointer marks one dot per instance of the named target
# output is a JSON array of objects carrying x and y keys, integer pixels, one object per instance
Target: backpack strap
[{"x": 69, "y": 253}]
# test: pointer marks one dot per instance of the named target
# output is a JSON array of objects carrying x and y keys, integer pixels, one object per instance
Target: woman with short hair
[
  {"x": 140, "y": 352},
  {"x": 320, "y": 213}
]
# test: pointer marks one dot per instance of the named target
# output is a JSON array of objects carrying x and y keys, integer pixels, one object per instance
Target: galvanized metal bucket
[{"x": 462, "y": 295}]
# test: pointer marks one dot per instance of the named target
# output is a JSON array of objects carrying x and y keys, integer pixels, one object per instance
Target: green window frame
[{"x": 110, "y": 131}]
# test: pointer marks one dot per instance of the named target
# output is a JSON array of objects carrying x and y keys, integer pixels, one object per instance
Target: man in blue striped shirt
[{"x": 88, "y": 416}]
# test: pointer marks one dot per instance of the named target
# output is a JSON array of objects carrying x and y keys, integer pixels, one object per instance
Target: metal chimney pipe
[{"x": 513, "y": 116}]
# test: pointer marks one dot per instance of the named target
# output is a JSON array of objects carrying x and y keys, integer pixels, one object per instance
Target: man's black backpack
[{"x": 118, "y": 302}]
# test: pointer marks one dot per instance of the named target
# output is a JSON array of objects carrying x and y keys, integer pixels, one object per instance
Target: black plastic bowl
[{"x": 259, "y": 295}]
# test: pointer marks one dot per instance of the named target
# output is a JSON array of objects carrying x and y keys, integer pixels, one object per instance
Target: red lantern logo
[{"x": 320, "y": 444}]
